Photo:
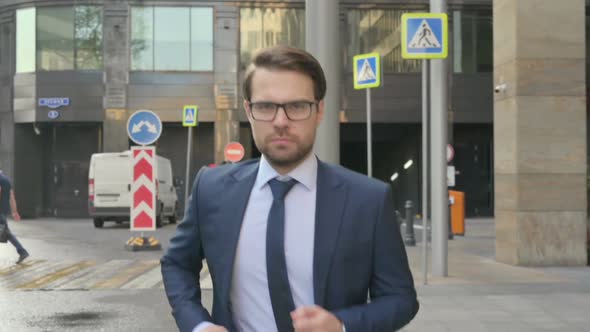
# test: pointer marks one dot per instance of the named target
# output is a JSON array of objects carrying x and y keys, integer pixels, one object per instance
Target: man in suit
[{"x": 292, "y": 243}]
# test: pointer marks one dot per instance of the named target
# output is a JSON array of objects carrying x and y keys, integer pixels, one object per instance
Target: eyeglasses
[{"x": 295, "y": 111}]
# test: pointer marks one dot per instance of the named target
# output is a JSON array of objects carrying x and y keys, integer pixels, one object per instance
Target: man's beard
[{"x": 276, "y": 158}]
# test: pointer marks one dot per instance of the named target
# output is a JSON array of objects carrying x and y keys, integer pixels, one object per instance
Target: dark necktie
[{"x": 276, "y": 265}]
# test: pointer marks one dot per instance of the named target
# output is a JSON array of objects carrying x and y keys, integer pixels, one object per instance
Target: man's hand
[
  {"x": 215, "y": 328},
  {"x": 16, "y": 216},
  {"x": 315, "y": 319}
]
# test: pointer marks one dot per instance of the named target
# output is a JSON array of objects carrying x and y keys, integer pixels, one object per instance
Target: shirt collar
[{"x": 306, "y": 173}]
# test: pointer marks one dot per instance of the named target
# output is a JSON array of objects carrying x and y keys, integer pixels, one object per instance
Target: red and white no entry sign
[
  {"x": 233, "y": 152},
  {"x": 450, "y": 153}
]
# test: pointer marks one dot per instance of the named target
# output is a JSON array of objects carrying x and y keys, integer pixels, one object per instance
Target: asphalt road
[{"x": 79, "y": 278}]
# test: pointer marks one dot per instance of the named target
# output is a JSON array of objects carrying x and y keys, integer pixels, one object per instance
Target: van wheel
[
  {"x": 98, "y": 222},
  {"x": 158, "y": 221},
  {"x": 174, "y": 217}
]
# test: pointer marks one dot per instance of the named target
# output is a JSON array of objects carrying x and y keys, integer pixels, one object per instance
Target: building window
[
  {"x": 25, "y": 40},
  {"x": 172, "y": 38},
  {"x": 378, "y": 30},
  {"x": 201, "y": 39},
  {"x": 142, "y": 40},
  {"x": 265, "y": 27},
  {"x": 472, "y": 41},
  {"x": 88, "y": 37},
  {"x": 69, "y": 38}
]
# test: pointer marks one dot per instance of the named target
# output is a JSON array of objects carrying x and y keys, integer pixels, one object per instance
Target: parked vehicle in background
[{"x": 109, "y": 189}]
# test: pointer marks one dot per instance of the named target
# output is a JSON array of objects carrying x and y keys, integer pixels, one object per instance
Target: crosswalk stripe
[
  {"x": 149, "y": 279},
  {"x": 18, "y": 267},
  {"x": 95, "y": 274},
  {"x": 127, "y": 275},
  {"x": 87, "y": 275},
  {"x": 32, "y": 273},
  {"x": 40, "y": 282}
]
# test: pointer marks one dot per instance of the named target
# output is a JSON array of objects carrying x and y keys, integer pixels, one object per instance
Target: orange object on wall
[{"x": 457, "y": 212}]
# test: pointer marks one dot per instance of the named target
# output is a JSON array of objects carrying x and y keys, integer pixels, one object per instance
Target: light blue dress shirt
[{"x": 249, "y": 295}]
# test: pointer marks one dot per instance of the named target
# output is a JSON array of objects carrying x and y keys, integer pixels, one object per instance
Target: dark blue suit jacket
[{"x": 358, "y": 249}]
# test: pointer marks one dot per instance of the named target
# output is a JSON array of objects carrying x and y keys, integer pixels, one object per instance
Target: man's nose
[{"x": 281, "y": 118}]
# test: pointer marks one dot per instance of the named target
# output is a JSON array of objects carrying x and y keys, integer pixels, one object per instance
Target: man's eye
[
  {"x": 264, "y": 107},
  {"x": 298, "y": 106}
]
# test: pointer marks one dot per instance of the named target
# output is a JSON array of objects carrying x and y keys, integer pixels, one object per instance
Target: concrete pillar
[
  {"x": 322, "y": 39},
  {"x": 7, "y": 141},
  {"x": 540, "y": 132},
  {"x": 226, "y": 50},
  {"x": 116, "y": 76}
]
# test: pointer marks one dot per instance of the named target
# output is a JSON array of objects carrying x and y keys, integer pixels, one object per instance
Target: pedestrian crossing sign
[
  {"x": 424, "y": 36},
  {"x": 367, "y": 70},
  {"x": 190, "y": 115}
]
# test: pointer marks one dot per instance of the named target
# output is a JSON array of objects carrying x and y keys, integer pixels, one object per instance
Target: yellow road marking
[
  {"x": 126, "y": 276},
  {"x": 38, "y": 283}
]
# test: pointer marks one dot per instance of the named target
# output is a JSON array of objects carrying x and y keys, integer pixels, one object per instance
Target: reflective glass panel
[
  {"x": 25, "y": 40},
  {"x": 172, "y": 38},
  {"x": 55, "y": 38},
  {"x": 88, "y": 34},
  {"x": 142, "y": 38},
  {"x": 265, "y": 27},
  {"x": 202, "y": 39}
]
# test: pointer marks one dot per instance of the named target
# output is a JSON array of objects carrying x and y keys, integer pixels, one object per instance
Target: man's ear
[{"x": 320, "y": 113}]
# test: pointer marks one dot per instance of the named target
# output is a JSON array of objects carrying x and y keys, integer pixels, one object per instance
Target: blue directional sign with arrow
[{"x": 144, "y": 127}]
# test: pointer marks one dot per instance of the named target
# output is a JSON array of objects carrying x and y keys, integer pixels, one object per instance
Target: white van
[{"x": 109, "y": 188}]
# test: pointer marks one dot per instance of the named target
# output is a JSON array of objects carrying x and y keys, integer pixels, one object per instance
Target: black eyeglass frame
[{"x": 283, "y": 106}]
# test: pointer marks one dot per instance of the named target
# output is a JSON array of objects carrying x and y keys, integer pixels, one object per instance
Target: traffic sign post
[
  {"x": 425, "y": 36},
  {"x": 144, "y": 128},
  {"x": 190, "y": 119},
  {"x": 367, "y": 75}
]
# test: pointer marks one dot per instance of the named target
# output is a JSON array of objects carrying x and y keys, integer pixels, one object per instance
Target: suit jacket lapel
[
  {"x": 330, "y": 203},
  {"x": 237, "y": 188}
]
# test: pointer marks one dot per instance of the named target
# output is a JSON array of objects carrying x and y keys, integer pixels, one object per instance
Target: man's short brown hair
[{"x": 286, "y": 58}]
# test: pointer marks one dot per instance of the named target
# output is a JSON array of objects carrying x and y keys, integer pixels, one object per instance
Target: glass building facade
[{"x": 161, "y": 56}]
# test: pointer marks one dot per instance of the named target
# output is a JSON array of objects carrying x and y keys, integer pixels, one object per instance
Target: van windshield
[{"x": 112, "y": 170}]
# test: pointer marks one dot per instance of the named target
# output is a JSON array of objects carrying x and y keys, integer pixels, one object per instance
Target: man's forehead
[{"x": 264, "y": 79}]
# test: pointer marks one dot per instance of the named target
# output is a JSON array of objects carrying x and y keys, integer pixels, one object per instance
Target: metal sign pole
[
  {"x": 188, "y": 165},
  {"x": 425, "y": 164},
  {"x": 438, "y": 144},
  {"x": 369, "y": 136}
]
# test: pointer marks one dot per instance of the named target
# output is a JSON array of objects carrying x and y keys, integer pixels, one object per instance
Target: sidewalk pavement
[{"x": 481, "y": 294}]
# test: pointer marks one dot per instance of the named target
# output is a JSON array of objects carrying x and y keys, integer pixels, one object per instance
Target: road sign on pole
[
  {"x": 144, "y": 127},
  {"x": 424, "y": 36},
  {"x": 367, "y": 71},
  {"x": 234, "y": 152},
  {"x": 190, "y": 119},
  {"x": 190, "y": 116},
  {"x": 367, "y": 75}
]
